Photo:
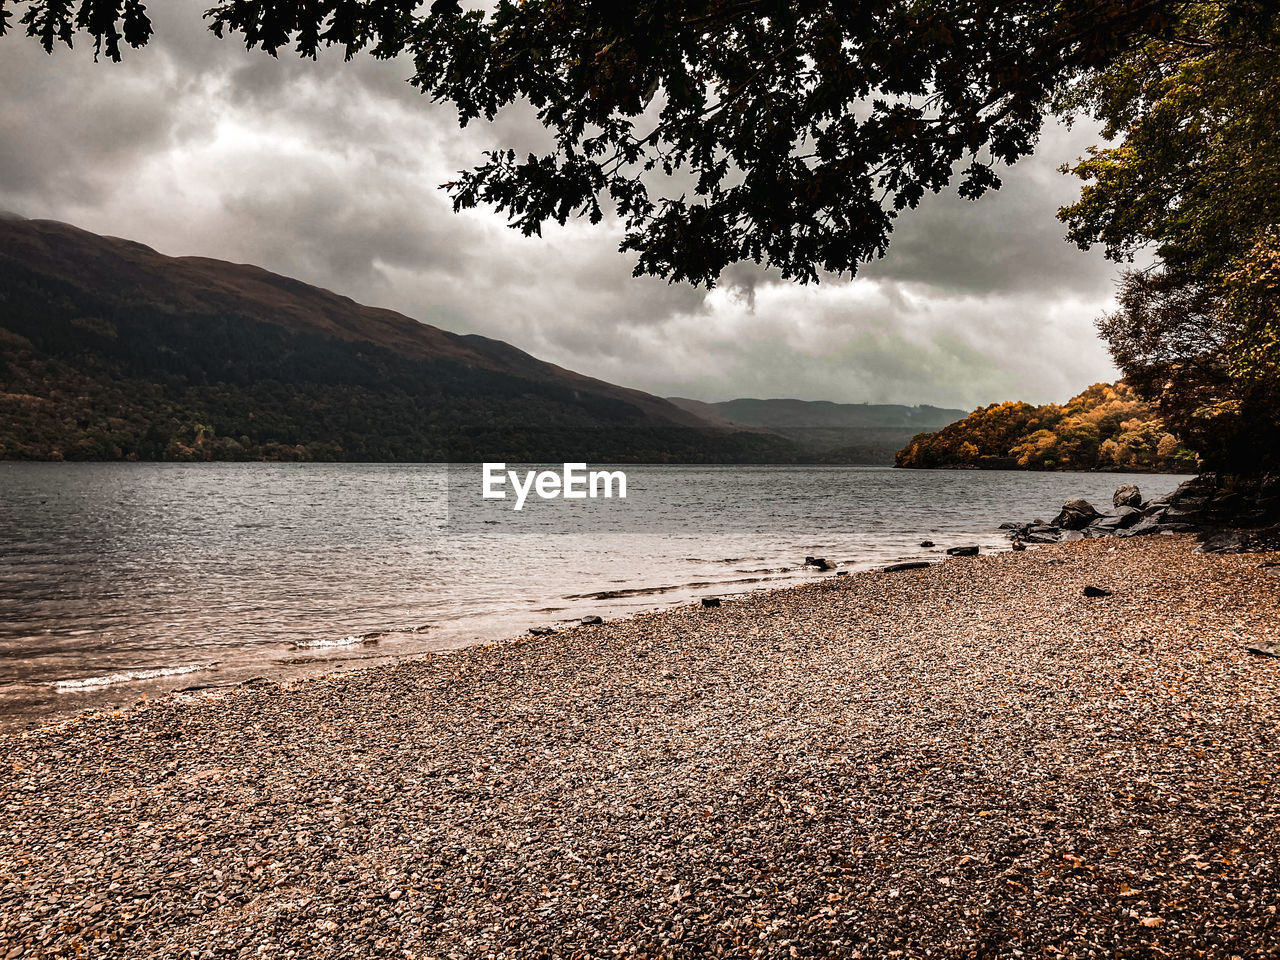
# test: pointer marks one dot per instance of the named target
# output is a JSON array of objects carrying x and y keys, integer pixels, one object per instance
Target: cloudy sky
[{"x": 330, "y": 172}]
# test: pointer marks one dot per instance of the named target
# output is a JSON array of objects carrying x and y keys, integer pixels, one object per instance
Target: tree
[
  {"x": 1194, "y": 183},
  {"x": 784, "y": 132}
]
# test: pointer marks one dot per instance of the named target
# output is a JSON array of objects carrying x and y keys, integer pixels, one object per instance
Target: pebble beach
[{"x": 969, "y": 760}]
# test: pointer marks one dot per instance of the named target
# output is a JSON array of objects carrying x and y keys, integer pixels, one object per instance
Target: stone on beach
[
  {"x": 1077, "y": 513},
  {"x": 1127, "y": 495}
]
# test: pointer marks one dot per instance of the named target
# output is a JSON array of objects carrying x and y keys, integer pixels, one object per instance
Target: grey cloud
[{"x": 330, "y": 172}]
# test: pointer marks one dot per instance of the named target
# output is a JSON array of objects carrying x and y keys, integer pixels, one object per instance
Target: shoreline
[{"x": 972, "y": 758}]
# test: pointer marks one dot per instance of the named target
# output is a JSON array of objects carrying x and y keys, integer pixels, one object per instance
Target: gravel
[{"x": 970, "y": 760}]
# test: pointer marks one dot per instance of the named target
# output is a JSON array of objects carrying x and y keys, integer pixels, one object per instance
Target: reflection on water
[{"x": 120, "y": 579}]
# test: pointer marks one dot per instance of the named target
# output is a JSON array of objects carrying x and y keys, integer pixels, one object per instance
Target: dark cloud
[{"x": 330, "y": 172}]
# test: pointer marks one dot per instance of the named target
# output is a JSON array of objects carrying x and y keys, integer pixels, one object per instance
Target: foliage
[
  {"x": 1107, "y": 427},
  {"x": 1194, "y": 183},
  {"x": 785, "y": 132}
]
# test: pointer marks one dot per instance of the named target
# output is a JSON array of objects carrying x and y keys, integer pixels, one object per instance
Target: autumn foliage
[{"x": 1107, "y": 427}]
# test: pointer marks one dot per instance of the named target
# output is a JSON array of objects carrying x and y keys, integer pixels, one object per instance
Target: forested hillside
[
  {"x": 1107, "y": 427},
  {"x": 109, "y": 350}
]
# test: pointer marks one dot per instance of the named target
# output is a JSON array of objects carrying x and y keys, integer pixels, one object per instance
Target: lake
[{"x": 124, "y": 580}]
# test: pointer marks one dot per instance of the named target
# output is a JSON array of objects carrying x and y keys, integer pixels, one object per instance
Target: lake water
[{"x": 124, "y": 580}]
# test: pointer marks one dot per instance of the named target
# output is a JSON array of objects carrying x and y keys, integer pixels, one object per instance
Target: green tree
[
  {"x": 1194, "y": 185},
  {"x": 785, "y": 132}
]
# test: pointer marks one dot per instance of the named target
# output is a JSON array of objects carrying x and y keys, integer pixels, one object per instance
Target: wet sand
[{"x": 970, "y": 760}]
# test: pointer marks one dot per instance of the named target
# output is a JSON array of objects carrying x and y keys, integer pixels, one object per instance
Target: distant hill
[
  {"x": 840, "y": 432},
  {"x": 1107, "y": 427},
  {"x": 110, "y": 350}
]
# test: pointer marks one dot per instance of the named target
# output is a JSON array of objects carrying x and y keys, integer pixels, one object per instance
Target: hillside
[
  {"x": 839, "y": 432},
  {"x": 1107, "y": 427},
  {"x": 110, "y": 350}
]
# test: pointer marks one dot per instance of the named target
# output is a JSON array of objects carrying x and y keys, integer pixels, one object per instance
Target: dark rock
[
  {"x": 1042, "y": 534},
  {"x": 1009, "y": 525},
  {"x": 822, "y": 563},
  {"x": 1263, "y": 649},
  {"x": 591, "y": 621},
  {"x": 1096, "y": 592},
  {"x": 1144, "y": 528},
  {"x": 541, "y": 631},
  {"x": 711, "y": 601},
  {"x": 962, "y": 551},
  {"x": 1241, "y": 541},
  {"x": 1127, "y": 516},
  {"x": 1127, "y": 495},
  {"x": 1267, "y": 565},
  {"x": 1076, "y": 514},
  {"x": 1118, "y": 519},
  {"x": 926, "y": 543},
  {"x": 908, "y": 565},
  {"x": 842, "y": 573},
  {"x": 1019, "y": 545}
]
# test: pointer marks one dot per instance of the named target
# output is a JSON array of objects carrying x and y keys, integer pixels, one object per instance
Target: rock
[
  {"x": 1263, "y": 649},
  {"x": 1096, "y": 592},
  {"x": 926, "y": 543},
  {"x": 1019, "y": 545},
  {"x": 1031, "y": 536},
  {"x": 1076, "y": 514},
  {"x": 822, "y": 563},
  {"x": 541, "y": 631},
  {"x": 1118, "y": 519},
  {"x": 908, "y": 565},
  {"x": 842, "y": 573},
  {"x": 1143, "y": 528},
  {"x": 1127, "y": 516},
  {"x": 591, "y": 621},
  {"x": 711, "y": 601},
  {"x": 1127, "y": 495},
  {"x": 962, "y": 551},
  {"x": 1009, "y": 525}
]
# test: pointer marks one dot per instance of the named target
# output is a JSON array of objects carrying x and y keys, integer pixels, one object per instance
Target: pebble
[{"x": 958, "y": 763}]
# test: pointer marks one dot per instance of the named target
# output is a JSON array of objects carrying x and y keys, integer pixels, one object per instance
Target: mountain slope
[
  {"x": 110, "y": 350},
  {"x": 847, "y": 432}
]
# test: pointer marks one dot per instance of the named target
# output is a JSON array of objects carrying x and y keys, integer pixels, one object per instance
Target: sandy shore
[{"x": 971, "y": 760}]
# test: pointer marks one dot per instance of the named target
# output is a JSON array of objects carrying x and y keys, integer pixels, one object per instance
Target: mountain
[
  {"x": 110, "y": 350},
  {"x": 836, "y": 432},
  {"x": 1107, "y": 427}
]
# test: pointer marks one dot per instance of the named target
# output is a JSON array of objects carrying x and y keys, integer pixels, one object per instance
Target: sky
[{"x": 330, "y": 172}]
